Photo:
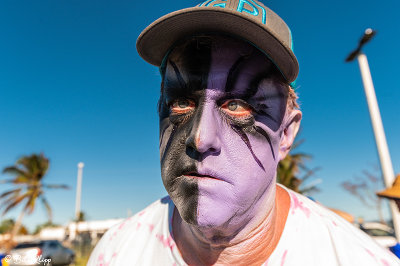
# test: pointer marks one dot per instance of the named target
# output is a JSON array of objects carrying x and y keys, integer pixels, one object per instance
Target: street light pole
[
  {"x": 380, "y": 139},
  {"x": 78, "y": 191}
]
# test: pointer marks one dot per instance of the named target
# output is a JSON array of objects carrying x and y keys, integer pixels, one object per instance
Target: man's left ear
[{"x": 289, "y": 133}]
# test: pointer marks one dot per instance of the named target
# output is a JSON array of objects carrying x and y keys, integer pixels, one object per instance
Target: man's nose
[{"x": 204, "y": 135}]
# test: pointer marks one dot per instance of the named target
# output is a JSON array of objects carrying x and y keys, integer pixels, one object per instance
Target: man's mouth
[{"x": 198, "y": 175}]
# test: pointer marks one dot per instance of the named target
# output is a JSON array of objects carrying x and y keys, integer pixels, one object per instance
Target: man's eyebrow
[
  {"x": 250, "y": 91},
  {"x": 232, "y": 77},
  {"x": 178, "y": 74},
  {"x": 240, "y": 95}
]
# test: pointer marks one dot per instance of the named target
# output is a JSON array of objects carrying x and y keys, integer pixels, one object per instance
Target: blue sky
[{"x": 72, "y": 86}]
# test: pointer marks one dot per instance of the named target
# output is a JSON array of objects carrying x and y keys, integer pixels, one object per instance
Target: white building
[{"x": 95, "y": 229}]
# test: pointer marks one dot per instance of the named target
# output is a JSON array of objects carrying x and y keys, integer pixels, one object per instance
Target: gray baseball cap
[{"x": 249, "y": 20}]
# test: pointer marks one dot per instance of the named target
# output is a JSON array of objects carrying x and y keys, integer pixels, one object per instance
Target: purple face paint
[{"x": 221, "y": 112}]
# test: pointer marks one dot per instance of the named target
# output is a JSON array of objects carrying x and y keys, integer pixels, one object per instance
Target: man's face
[{"x": 221, "y": 122}]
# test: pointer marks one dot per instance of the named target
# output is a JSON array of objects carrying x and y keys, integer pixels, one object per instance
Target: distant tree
[
  {"x": 28, "y": 174},
  {"x": 294, "y": 174},
  {"x": 82, "y": 217},
  {"x": 7, "y": 225},
  {"x": 364, "y": 188}
]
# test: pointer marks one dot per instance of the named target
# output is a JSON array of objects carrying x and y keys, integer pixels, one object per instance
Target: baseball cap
[{"x": 249, "y": 20}]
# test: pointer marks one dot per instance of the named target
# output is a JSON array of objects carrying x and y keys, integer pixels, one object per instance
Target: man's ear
[{"x": 289, "y": 133}]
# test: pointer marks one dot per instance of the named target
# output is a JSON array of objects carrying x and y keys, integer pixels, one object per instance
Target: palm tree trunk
[{"x": 17, "y": 225}]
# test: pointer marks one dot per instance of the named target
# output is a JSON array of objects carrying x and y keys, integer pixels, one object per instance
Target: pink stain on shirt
[
  {"x": 297, "y": 204},
  {"x": 100, "y": 260},
  {"x": 121, "y": 225},
  {"x": 384, "y": 262},
  {"x": 112, "y": 236},
  {"x": 138, "y": 226},
  {"x": 168, "y": 242},
  {"x": 370, "y": 253},
  {"x": 151, "y": 227},
  {"x": 141, "y": 213},
  {"x": 283, "y": 257}
]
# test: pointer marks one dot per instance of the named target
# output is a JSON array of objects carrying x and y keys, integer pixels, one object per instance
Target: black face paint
[
  {"x": 182, "y": 83},
  {"x": 171, "y": 137},
  {"x": 245, "y": 139},
  {"x": 194, "y": 58},
  {"x": 233, "y": 73},
  {"x": 265, "y": 134},
  {"x": 162, "y": 135}
]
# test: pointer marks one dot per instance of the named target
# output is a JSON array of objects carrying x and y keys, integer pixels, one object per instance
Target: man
[{"x": 228, "y": 115}]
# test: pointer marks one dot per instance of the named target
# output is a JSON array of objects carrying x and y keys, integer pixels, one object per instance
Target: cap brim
[{"x": 156, "y": 40}]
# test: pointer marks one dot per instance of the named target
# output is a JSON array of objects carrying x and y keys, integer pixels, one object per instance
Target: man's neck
[{"x": 251, "y": 246}]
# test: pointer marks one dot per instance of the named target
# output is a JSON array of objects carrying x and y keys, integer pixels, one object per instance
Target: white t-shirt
[{"x": 312, "y": 235}]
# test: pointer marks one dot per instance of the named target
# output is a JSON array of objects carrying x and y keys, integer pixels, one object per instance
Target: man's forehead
[
  {"x": 224, "y": 61},
  {"x": 222, "y": 48}
]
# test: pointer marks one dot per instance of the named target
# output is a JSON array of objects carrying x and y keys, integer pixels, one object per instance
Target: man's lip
[{"x": 198, "y": 175}]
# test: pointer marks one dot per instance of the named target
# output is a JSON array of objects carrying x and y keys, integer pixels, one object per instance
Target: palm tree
[
  {"x": 290, "y": 168},
  {"x": 28, "y": 173},
  {"x": 82, "y": 217}
]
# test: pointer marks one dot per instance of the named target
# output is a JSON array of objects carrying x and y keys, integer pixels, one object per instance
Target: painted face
[{"x": 221, "y": 112}]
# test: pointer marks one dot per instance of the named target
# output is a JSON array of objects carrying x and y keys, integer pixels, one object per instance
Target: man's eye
[
  {"x": 182, "y": 106},
  {"x": 236, "y": 108},
  {"x": 232, "y": 105}
]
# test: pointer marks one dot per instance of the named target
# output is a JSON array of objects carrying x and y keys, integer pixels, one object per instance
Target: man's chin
[
  {"x": 211, "y": 219},
  {"x": 200, "y": 216},
  {"x": 184, "y": 193},
  {"x": 205, "y": 209},
  {"x": 187, "y": 210},
  {"x": 217, "y": 211}
]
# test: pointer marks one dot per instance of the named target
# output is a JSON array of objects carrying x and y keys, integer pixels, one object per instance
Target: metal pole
[
  {"x": 381, "y": 144},
  {"x": 78, "y": 191}
]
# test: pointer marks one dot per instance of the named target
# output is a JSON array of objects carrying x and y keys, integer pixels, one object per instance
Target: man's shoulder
[
  {"x": 313, "y": 231},
  {"x": 131, "y": 236},
  {"x": 154, "y": 210},
  {"x": 308, "y": 214},
  {"x": 150, "y": 217}
]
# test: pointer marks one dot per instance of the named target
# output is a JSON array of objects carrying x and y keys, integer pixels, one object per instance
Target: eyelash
[
  {"x": 229, "y": 116},
  {"x": 184, "y": 110},
  {"x": 246, "y": 111}
]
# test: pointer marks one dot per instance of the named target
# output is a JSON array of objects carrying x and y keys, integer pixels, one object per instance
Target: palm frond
[
  {"x": 57, "y": 186},
  {"x": 290, "y": 170},
  {"x": 309, "y": 190},
  {"x": 48, "y": 208},
  {"x": 14, "y": 203},
  {"x": 310, "y": 173},
  {"x": 13, "y": 170},
  {"x": 7, "y": 181},
  {"x": 14, "y": 191},
  {"x": 30, "y": 205},
  {"x": 297, "y": 143}
]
